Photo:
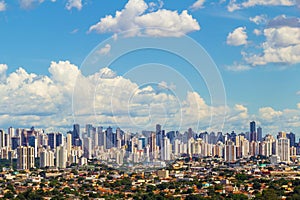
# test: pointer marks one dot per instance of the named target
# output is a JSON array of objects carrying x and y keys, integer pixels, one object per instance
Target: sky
[{"x": 208, "y": 65}]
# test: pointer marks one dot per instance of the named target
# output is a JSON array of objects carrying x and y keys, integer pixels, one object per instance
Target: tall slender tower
[
  {"x": 253, "y": 135},
  {"x": 259, "y": 134},
  {"x": 69, "y": 144}
]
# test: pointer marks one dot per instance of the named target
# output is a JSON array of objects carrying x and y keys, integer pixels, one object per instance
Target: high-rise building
[
  {"x": 25, "y": 156},
  {"x": 292, "y": 138},
  {"x": 87, "y": 147},
  {"x": 2, "y": 138},
  {"x": 158, "y": 135},
  {"x": 283, "y": 148},
  {"x": 55, "y": 139},
  {"x": 76, "y": 135},
  {"x": 24, "y": 138},
  {"x": 259, "y": 134},
  {"x": 43, "y": 139},
  {"x": 230, "y": 151},
  {"x": 46, "y": 158},
  {"x": 118, "y": 142},
  {"x": 253, "y": 134},
  {"x": 89, "y": 129},
  {"x": 59, "y": 139},
  {"x": 52, "y": 140},
  {"x": 32, "y": 141},
  {"x": 269, "y": 141},
  {"x": 218, "y": 149},
  {"x": 5, "y": 139},
  {"x": 166, "y": 149},
  {"x": 171, "y": 135},
  {"x": 11, "y": 132},
  {"x": 141, "y": 143},
  {"x": 15, "y": 142},
  {"x": 109, "y": 138},
  {"x": 61, "y": 157},
  {"x": 101, "y": 137},
  {"x": 69, "y": 144}
]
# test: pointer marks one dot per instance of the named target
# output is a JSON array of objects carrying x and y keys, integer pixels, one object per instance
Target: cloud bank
[{"x": 136, "y": 20}]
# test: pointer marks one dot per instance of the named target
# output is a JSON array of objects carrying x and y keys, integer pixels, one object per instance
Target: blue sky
[{"x": 255, "y": 45}]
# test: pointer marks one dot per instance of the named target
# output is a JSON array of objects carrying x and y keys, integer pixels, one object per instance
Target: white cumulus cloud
[
  {"x": 269, "y": 113},
  {"x": 136, "y": 21},
  {"x": 237, "y": 37},
  {"x": 103, "y": 98},
  {"x": 282, "y": 45},
  {"x": 74, "y": 4}
]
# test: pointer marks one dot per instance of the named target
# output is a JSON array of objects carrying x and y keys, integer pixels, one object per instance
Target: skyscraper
[
  {"x": 46, "y": 158},
  {"x": 2, "y": 138},
  {"x": 152, "y": 144},
  {"x": 158, "y": 135},
  {"x": 292, "y": 138},
  {"x": 165, "y": 149},
  {"x": 15, "y": 142},
  {"x": 269, "y": 140},
  {"x": 253, "y": 134},
  {"x": 109, "y": 138},
  {"x": 259, "y": 134},
  {"x": 101, "y": 137},
  {"x": 89, "y": 129},
  {"x": 87, "y": 147},
  {"x": 59, "y": 139},
  {"x": 283, "y": 148},
  {"x": 76, "y": 135},
  {"x": 52, "y": 140},
  {"x": 32, "y": 141},
  {"x": 24, "y": 138},
  {"x": 230, "y": 151},
  {"x": 69, "y": 144},
  {"x": 61, "y": 157},
  {"x": 25, "y": 159},
  {"x": 11, "y": 131}
]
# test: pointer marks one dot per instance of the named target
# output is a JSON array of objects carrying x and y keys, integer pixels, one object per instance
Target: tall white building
[
  {"x": 230, "y": 151},
  {"x": 46, "y": 158},
  {"x": 268, "y": 143},
  {"x": 61, "y": 157},
  {"x": 69, "y": 144},
  {"x": 25, "y": 156},
  {"x": 166, "y": 149},
  {"x": 283, "y": 148}
]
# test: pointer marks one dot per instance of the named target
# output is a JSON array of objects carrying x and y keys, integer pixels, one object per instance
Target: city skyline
[
  {"x": 254, "y": 45},
  {"x": 150, "y": 148}
]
